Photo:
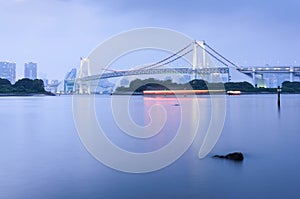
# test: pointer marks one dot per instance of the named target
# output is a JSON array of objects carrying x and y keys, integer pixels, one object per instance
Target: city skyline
[
  {"x": 30, "y": 70},
  {"x": 57, "y": 33},
  {"x": 8, "y": 71}
]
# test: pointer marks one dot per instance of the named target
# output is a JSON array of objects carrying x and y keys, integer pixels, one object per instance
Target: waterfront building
[
  {"x": 8, "y": 71},
  {"x": 30, "y": 70}
]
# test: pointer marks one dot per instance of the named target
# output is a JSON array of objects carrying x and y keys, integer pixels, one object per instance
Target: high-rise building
[
  {"x": 8, "y": 71},
  {"x": 30, "y": 70}
]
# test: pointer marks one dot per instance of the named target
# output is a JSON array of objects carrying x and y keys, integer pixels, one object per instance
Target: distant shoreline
[
  {"x": 232, "y": 88},
  {"x": 242, "y": 93},
  {"x": 26, "y": 94}
]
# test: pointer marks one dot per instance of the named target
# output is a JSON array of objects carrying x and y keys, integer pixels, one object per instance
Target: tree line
[
  {"x": 139, "y": 86},
  {"x": 22, "y": 86}
]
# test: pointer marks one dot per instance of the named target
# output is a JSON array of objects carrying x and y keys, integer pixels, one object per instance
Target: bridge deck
[{"x": 200, "y": 71}]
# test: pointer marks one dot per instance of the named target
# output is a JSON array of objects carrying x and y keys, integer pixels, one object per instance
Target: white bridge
[{"x": 201, "y": 65}]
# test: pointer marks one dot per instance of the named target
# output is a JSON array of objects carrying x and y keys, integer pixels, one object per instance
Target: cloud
[{"x": 56, "y": 33}]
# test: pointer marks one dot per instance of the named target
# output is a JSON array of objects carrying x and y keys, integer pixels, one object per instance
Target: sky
[{"x": 56, "y": 33}]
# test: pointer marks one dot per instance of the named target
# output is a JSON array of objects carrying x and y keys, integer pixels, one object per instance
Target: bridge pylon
[
  {"x": 84, "y": 71},
  {"x": 199, "y": 60},
  {"x": 85, "y": 68}
]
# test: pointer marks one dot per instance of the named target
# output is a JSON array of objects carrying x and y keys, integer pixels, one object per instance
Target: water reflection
[
  {"x": 47, "y": 157},
  {"x": 278, "y": 111},
  {"x": 168, "y": 131}
]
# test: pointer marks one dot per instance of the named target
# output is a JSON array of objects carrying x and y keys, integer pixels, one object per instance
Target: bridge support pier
[
  {"x": 228, "y": 76},
  {"x": 80, "y": 90},
  {"x": 253, "y": 76},
  {"x": 83, "y": 88},
  {"x": 291, "y": 74},
  {"x": 291, "y": 77}
]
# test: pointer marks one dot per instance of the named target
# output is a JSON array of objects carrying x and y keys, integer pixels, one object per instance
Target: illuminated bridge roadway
[
  {"x": 252, "y": 71},
  {"x": 291, "y": 70},
  {"x": 157, "y": 71}
]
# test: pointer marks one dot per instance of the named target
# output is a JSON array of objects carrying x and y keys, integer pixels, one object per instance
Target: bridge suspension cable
[
  {"x": 180, "y": 56},
  {"x": 159, "y": 63},
  {"x": 220, "y": 55},
  {"x": 216, "y": 55},
  {"x": 212, "y": 54}
]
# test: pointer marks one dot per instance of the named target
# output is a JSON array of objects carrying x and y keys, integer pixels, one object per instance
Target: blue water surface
[{"x": 41, "y": 155}]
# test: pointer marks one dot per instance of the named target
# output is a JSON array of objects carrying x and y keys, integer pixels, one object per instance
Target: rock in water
[{"x": 237, "y": 156}]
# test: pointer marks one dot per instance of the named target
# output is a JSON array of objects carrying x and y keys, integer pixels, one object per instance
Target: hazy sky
[{"x": 56, "y": 33}]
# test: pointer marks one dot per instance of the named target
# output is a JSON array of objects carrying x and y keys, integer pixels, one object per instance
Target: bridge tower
[
  {"x": 195, "y": 60},
  {"x": 84, "y": 71},
  {"x": 199, "y": 62}
]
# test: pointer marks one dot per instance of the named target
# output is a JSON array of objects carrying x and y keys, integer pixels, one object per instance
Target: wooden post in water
[{"x": 278, "y": 95}]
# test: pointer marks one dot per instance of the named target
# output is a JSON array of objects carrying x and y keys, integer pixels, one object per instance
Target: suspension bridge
[{"x": 205, "y": 61}]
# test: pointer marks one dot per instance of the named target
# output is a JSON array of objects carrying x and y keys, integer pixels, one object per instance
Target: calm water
[{"x": 41, "y": 155}]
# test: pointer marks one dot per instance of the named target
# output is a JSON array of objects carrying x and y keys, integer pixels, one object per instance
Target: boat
[{"x": 234, "y": 92}]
